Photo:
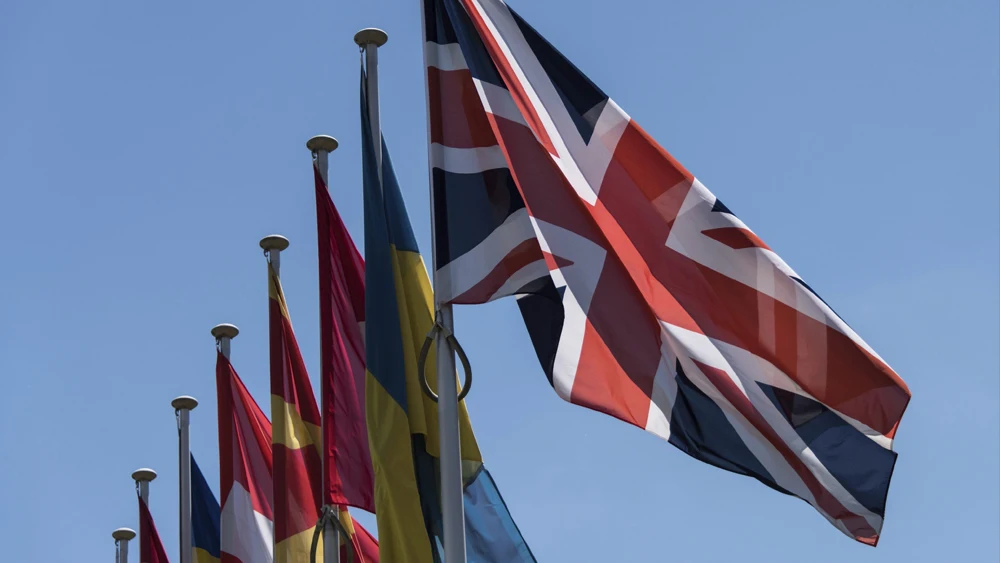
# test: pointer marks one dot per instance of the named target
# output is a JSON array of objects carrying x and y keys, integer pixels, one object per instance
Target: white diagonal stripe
[
  {"x": 445, "y": 57},
  {"x": 467, "y": 160},
  {"x": 464, "y": 272}
]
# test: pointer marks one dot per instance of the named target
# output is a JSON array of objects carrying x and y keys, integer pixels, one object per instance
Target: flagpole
[
  {"x": 224, "y": 334},
  {"x": 370, "y": 39},
  {"x": 272, "y": 246},
  {"x": 452, "y": 507},
  {"x": 183, "y": 406},
  {"x": 143, "y": 477},
  {"x": 321, "y": 146},
  {"x": 122, "y": 537}
]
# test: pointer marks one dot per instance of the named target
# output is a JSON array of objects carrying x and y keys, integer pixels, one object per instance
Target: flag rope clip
[
  {"x": 453, "y": 342},
  {"x": 327, "y": 514}
]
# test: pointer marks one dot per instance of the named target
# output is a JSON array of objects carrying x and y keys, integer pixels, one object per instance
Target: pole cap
[
  {"x": 143, "y": 474},
  {"x": 371, "y": 35},
  {"x": 323, "y": 143},
  {"x": 273, "y": 242},
  {"x": 123, "y": 534},
  {"x": 184, "y": 402},
  {"x": 225, "y": 330}
]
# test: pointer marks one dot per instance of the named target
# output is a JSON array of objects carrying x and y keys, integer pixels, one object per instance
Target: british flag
[{"x": 645, "y": 297}]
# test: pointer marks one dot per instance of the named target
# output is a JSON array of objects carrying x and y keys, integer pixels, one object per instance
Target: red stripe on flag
[
  {"x": 506, "y": 71},
  {"x": 825, "y": 500},
  {"x": 457, "y": 118},
  {"x": 289, "y": 378},
  {"x": 297, "y": 499},
  {"x": 736, "y": 238},
  {"x": 846, "y": 377},
  {"x": 522, "y": 255}
]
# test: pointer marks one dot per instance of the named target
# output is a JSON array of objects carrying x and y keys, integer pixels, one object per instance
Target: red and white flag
[{"x": 245, "y": 466}]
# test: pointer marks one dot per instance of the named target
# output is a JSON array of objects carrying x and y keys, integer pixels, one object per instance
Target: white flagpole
[
  {"x": 224, "y": 334},
  {"x": 370, "y": 39},
  {"x": 122, "y": 537},
  {"x": 452, "y": 507},
  {"x": 321, "y": 146},
  {"x": 182, "y": 409},
  {"x": 143, "y": 477},
  {"x": 273, "y": 245}
]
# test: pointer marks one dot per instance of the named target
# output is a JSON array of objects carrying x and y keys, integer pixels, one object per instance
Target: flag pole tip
[
  {"x": 371, "y": 35},
  {"x": 143, "y": 474},
  {"x": 324, "y": 143},
  {"x": 225, "y": 330},
  {"x": 123, "y": 534},
  {"x": 273, "y": 242},
  {"x": 184, "y": 402}
]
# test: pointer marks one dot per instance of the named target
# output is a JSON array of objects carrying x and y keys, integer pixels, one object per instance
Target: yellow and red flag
[{"x": 296, "y": 441}]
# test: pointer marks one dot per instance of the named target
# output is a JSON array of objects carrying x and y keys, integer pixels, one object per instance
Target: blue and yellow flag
[
  {"x": 402, "y": 420},
  {"x": 205, "y": 514}
]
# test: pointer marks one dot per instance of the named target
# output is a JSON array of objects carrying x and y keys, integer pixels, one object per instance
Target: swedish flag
[
  {"x": 402, "y": 421},
  {"x": 205, "y": 514}
]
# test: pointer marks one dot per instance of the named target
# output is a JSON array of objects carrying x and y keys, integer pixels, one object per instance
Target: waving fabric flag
[
  {"x": 402, "y": 421},
  {"x": 296, "y": 442},
  {"x": 247, "y": 522},
  {"x": 246, "y": 469},
  {"x": 150, "y": 547},
  {"x": 205, "y": 515},
  {"x": 645, "y": 297},
  {"x": 348, "y": 476},
  {"x": 296, "y": 437}
]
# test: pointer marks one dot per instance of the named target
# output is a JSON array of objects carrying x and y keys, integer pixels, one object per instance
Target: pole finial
[
  {"x": 273, "y": 242},
  {"x": 323, "y": 143},
  {"x": 143, "y": 474},
  {"x": 372, "y": 35},
  {"x": 184, "y": 402},
  {"x": 125, "y": 534},
  {"x": 225, "y": 330}
]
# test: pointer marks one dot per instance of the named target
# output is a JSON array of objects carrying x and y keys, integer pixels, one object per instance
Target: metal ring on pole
[
  {"x": 422, "y": 361},
  {"x": 328, "y": 515}
]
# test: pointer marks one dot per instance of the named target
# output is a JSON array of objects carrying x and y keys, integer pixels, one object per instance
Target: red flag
[
  {"x": 244, "y": 471},
  {"x": 348, "y": 477},
  {"x": 150, "y": 546}
]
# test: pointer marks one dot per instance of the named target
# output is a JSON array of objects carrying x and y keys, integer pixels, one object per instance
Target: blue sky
[{"x": 146, "y": 147}]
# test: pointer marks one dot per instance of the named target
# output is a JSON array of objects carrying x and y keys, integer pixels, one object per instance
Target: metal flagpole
[
  {"x": 224, "y": 334},
  {"x": 272, "y": 246},
  {"x": 452, "y": 507},
  {"x": 321, "y": 146},
  {"x": 370, "y": 39},
  {"x": 143, "y": 477},
  {"x": 122, "y": 537},
  {"x": 183, "y": 406}
]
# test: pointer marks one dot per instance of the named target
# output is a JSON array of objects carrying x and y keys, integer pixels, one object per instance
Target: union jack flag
[{"x": 645, "y": 297}]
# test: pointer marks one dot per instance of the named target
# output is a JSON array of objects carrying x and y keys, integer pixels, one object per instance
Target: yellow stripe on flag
[
  {"x": 289, "y": 429},
  {"x": 297, "y": 548}
]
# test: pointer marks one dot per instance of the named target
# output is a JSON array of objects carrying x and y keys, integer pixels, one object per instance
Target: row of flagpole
[{"x": 453, "y": 517}]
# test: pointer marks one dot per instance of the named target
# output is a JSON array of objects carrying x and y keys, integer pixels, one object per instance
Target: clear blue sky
[{"x": 145, "y": 147}]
